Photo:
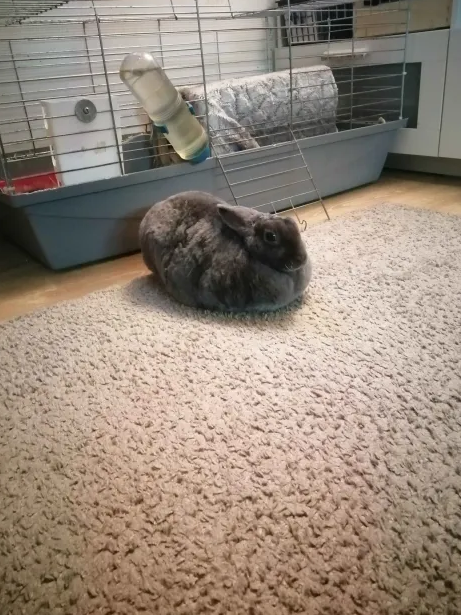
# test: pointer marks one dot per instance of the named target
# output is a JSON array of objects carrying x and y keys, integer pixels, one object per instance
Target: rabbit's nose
[{"x": 301, "y": 261}]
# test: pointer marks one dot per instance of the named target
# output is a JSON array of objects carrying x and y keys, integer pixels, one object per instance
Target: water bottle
[{"x": 149, "y": 84}]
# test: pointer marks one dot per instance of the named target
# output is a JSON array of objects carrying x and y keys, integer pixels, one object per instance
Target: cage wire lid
[
  {"x": 309, "y": 5},
  {"x": 281, "y": 7},
  {"x": 15, "y": 11}
]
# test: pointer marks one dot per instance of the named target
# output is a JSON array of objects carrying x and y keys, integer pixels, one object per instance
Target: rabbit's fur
[{"x": 212, "y": 255}]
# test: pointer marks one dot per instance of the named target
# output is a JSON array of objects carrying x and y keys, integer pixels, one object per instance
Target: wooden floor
[{"x": 26, "y": 285}]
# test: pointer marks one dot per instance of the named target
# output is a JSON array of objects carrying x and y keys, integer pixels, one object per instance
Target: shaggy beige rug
[{"x": 159, "y": 460}]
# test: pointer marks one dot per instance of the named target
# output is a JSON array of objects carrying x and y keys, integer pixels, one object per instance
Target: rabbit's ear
[{"x": 239, "y": 219}]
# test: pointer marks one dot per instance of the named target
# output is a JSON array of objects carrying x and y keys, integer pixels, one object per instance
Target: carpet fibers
[{"x": 154, "y": 459}]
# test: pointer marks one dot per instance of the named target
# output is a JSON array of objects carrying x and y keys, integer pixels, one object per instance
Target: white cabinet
[
  {"x": 426, "y": 52},
  {"x": 429, "y": 49},
  {"x": 433, "y": 82},
  {"x": 450, "y": 135}
]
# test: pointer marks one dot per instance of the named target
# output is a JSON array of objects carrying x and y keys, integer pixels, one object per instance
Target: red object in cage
[{"x": 23, "y": 185}]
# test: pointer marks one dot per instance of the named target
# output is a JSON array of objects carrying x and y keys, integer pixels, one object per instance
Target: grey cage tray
[{"x": 73, "y": 225}]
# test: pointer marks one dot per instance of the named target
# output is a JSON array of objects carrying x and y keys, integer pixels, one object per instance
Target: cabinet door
[
  {"x": 427, "y": 50},
  {"x": 450, "y": 136}
]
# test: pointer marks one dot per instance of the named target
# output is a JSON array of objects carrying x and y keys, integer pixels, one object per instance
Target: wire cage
[
  {"x": 304, "y": 24},
  {"x": 281, "y": 90}
]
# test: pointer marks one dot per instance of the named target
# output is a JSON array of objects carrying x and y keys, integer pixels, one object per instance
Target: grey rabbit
[{"x": 212, "y": 255}]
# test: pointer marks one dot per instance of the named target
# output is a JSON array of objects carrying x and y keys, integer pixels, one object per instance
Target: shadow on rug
[{"x": 161, "y": 460}]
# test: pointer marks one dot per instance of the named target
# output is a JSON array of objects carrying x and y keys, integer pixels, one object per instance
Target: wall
[{"x": 62, "y": 57}]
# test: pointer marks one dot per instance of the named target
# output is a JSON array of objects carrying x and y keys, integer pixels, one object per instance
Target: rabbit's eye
[{"x": 270, "y": 237}]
